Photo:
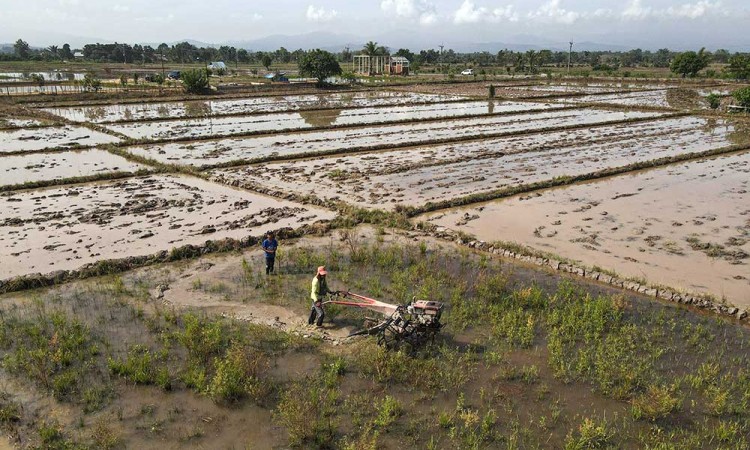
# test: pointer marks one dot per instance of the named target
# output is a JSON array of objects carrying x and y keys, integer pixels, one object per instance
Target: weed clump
[{"x": 656, "y": 403}]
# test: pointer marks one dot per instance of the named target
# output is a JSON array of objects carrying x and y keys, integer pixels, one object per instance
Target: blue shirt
[{"x": 270, "y": 245}]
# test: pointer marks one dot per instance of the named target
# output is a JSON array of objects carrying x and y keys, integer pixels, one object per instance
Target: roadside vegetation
[{"x": 525, "y": 361}]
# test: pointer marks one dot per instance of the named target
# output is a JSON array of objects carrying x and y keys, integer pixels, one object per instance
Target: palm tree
[
  {"x": 54, "y": 50},
  {"x": 370, "y": 49},
  {"x": 531, "y": 58}
]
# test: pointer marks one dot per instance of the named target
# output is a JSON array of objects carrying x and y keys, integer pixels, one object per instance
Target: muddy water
[
  {"x": 18, "y": 169},
  {"x": 640, "y": 225},
  {"x": 140, "y": 111},
  {"x": 678, "y": 98},
  {"x": 51, "y": 138},
  {"x": 19, "y": 123},
  {"x": 207, "y": 153},
  {"x": 429, "y": 174},
  {"x": 206, "y": 127},
  {"x": 66, "y": 227}
]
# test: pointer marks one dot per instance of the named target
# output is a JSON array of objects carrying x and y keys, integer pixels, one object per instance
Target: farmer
[
  {"x": 319, "y": 290},
  {"x": 269, "y": 247}
]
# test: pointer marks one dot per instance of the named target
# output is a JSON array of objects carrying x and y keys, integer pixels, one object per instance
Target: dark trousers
[
  {"x": 269, "y": 265},
  {"x": 316, "y": 311}
]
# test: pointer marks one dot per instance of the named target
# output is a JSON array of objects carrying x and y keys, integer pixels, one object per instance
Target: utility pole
[
  {"x": 440, "y": 57},
  {"x": 570, "y": 51}
]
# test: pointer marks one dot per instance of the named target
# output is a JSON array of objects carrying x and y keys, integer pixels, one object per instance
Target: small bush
[
  {"x": 238, "y": 375},
  {"x": 656, "y": 403},
  {"x": 388, "y": 411},
  {"x": 714, "y": 101},
  {"x": 742, "y": 96},
  {"x": 195, "y": 81},
  {"x": 306, "y": 410},
  {"x": 142, "y": 367},
  {"x": 590, "y": 435}
]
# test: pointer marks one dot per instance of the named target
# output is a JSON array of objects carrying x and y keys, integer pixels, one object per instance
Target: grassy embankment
[{"x": 526, "y": 361}]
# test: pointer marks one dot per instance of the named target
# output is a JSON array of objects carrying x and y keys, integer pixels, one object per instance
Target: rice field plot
[
  {"x": 685, "y": 225},
  {"x": 238, "y": 150},
  {"x": 676, "y": 98},
  {"x": 15, "y": 122},
  {"x": 17, "y": 170},
  {"x": 49, "y": 138},
  {"x": 271, "y": 123},
  {"x": 441, "y": 173},
  {"x": 252, "y": 105},
  {"x": 64, "y": 228}
]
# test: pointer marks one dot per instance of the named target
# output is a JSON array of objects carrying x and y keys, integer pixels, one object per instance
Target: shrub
[
  {"x": 742, "y": 96},
  {"x": 195, "y": 81},
  {"x": 590, "y": 435},
  {"x": 306, "y": 410},
  {"x": 91, "y": 82},
  {"x": 656, "y": 403},
  {"x": 238, "y": 374},
  {"x": 388, "y": 411},
  {"x": 714, "y": 101},
  {"x": 142, "y": 367}
]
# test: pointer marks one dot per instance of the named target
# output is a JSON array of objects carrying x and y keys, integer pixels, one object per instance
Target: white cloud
[
  {"x": 696, "y": 10},
  {"x": 320, "y": 14},
  {"x": 120, "y": 8},
  {"x": 553, "y": 12},
  {"x": 470, "y": 13},
  {"x": 636, "y": 11},
  {"x": 421, "y": 10}
]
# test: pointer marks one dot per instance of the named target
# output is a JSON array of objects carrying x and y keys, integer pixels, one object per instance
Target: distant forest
[{"x": 738, "y": 64}]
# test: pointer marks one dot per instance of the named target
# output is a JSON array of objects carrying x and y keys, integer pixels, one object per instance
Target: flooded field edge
[{"x": 119, "y": 265}]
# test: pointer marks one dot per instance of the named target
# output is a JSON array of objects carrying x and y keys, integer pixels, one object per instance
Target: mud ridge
[
  {"x": 519, "y": 253},
  {"x": 428, "y": 142},
  {"x": 114, "y": 266}
]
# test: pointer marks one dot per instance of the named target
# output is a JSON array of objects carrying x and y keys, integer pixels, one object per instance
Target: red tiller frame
[{"x": 365, "y": 303}]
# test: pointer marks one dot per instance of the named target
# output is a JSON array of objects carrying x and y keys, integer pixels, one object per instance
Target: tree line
[{"x": 530, "y": 61}]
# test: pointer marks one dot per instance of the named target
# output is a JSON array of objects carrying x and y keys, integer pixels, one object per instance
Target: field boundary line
[{"x": 424, "y": 143}]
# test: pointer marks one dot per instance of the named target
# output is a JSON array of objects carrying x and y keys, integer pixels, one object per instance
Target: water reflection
[{"x": 323, "y": 118}]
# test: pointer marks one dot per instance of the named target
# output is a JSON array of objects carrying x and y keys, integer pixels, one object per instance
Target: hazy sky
[{"x": 641, "y": 22}]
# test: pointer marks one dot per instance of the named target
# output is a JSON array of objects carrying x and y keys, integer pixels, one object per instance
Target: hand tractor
[{"x": 413, "y": 325}]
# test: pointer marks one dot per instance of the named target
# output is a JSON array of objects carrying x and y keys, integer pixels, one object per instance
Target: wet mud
[
  {"x": 64, "y": 228},
  {"x": 685, "y": 225}
]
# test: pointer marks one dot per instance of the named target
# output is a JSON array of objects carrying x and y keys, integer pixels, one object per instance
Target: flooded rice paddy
[
  {"x": 253, "y": 105},
  {"x": 207, "y": 127},
  {"x": 36, "y": 139},
  {"x": 207, "y": 153},
  {"x": 66, "y": 227},
  {"x": 676, "y": 98},
  {"x": 38, "y": 167},
  {"x": 442, "y": 148},
  {"x": 685, "y": 225},
  {"x": 416, "y": 176}
]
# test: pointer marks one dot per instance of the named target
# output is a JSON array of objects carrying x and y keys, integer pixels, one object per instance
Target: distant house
[
  {"x": 380, "y": 65},
  {"x": 217, "y": 65},
  {"x": 78, "y": 55}
]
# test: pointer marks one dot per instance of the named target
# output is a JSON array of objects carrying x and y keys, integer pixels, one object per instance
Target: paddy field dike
[{"x": 557, "y": 201}]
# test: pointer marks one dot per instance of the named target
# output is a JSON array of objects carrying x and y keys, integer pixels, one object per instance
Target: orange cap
[{"x": 322, "y": 270}]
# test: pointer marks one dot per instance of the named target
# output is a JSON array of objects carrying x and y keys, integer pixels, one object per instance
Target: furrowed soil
[
  {"x": 39, "y": 167},
  {"x": 66, "y": 227},
  {"x": 270, "y": 104},
  {"x": 51, "y": 138},
  {"x": 213, "y": 353},
  {"x": 686, "y": 225},
  {"x": 228, "y": 151},
  {"x": 420, "y": 175},
  {"x": 206, "y": 127}
]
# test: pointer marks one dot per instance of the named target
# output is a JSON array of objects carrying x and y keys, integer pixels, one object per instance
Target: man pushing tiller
[{"x": 318, "y": 292}]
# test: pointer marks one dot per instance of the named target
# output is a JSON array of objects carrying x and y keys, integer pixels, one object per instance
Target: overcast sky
[{"x": 643, "y": 23}]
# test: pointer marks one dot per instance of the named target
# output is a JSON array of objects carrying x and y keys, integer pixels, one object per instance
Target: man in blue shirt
[{"x": 269, "y": 247}]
